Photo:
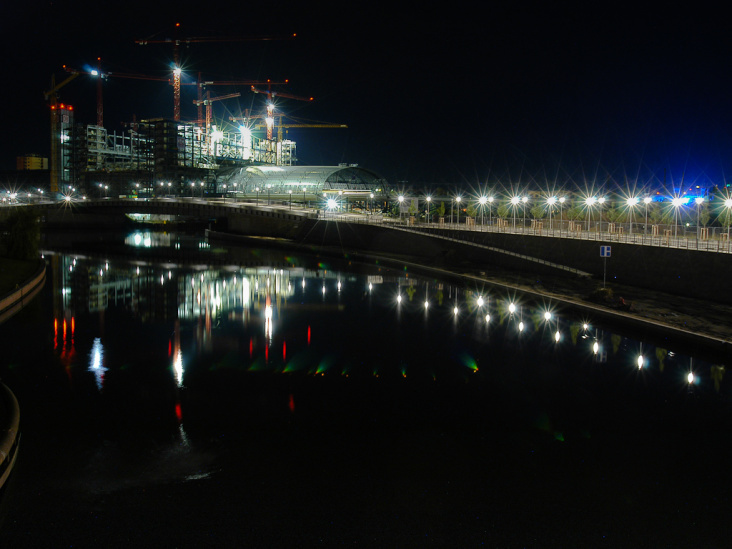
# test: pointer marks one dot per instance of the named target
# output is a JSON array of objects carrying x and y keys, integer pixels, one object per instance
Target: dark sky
[{"x": 517, "y": 94}]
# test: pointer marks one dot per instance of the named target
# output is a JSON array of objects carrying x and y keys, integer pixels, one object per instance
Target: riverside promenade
[{"x": 10, "y": 304}]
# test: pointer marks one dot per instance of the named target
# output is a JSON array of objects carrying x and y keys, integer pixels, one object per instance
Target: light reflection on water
[
  {"x": 358, "y": 311},
  {"x": 230, "y": 382}
]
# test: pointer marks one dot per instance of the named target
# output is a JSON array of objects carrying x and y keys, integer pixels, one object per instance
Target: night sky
[{"x": 516, "y": 95}]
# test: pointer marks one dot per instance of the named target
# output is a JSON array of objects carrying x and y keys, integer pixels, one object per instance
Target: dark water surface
[{"x": 174, "y": 398}]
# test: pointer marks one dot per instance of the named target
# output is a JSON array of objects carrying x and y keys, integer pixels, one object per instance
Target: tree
[
  {"x": 575, "y": 213},
  {"x": 441, "y": 209},
  {"x": 23, "y": 236},
  {"x": 538, "y": 212},
  {"x": 503, "y": 211},
  {"x": 613, "y": 215},
  {"x": 472, "y": 209}
]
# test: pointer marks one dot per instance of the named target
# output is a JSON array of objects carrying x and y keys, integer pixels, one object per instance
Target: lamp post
[
  {"x": 631, "y": 202},
  {"x": 427, "y": 209},
  {"x": 201, "y": 190},
  {"x": 525, "y": 201},
  {"x": 458, "y": 199},
  {"x": 728, "y": 205},
  {"x": 290, "y": 192},
  {"x": 482, "y": 200},
  {"x": 401, "y": 201},
  {"x": 371, "y": 208},
  {"x": 646, "y": 201},
  {"x": 676, "y": 202},
  {"x": 514, "y": 202},
  {"x": 490, "y": 211},
  {"x": 561, "y": 217},
  {"x": 589, "y": 202},
  {"x": 256, "y": 189},
  {"x": 550, "y": 203},
  {"x": 601, "y": 202},
  {"x": 698, "y": 200}
]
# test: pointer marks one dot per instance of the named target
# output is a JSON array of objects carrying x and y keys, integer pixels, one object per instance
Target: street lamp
[
  {"x": 646, "y": 201},
  {"x": 290, "y": 193},
  {"x": 401, "y": 201},
  {"x": 482, "y": 200},
  {"x": 458, "y": 199},
  {"x": 631, "y": 202},
  {"x": 698, "y": 200},
  {"x": 427, "y": 209},
  {"x": 601, "y": 202},
  {"x": 676, "y": 202},
  {"x": 525, "y": 200},
  {"x": 371, "y": 196},
  {"x": 490, "y": 211},
  {"x": 589, "y": 202},
  {"x": 514, "y": 202},
  {"x": 550, "y": 203},
  {"x": 561, "y": 217},
  {"x": 728, "y": 205}
]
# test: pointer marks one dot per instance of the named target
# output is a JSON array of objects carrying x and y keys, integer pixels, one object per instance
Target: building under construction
[{"x": 163, "y": 156}]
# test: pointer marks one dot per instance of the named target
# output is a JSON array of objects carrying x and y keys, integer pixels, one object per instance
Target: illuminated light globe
[
  {"x": 547, "y": 316},
  {"x": 487, "y": 318},
  {"x": 399, "y": 298},
  {"x": 512, "y": 308},
  {"x": 426, "y": 304},
  {"x": 332, "y": 204},
  {"x": 690, "y": 378},
  {"x": 455, "y": 311},
  {"x": 585, "y": 326},
  {"x": 640, "y": 361},
  {"x": 521, "y": 326},
  {"x": 595, "y": 347},
  {"x": 557, "y": 336},
  {"x": 480, "y": 301}
]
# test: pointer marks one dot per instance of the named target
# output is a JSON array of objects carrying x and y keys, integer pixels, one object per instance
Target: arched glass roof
[{"x": 313, "y": 179}]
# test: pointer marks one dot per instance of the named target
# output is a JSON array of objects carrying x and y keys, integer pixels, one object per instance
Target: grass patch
[{"x": 15, "y": 271}]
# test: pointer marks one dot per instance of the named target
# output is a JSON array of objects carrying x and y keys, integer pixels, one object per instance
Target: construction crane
[
  {"x": 207, "y": 103},
  {"x": 202, "y": 84},
  {"x": 52, "y": 97},
  {"x": 197, "y": 39},
  {"x": 270, "y": 107}
]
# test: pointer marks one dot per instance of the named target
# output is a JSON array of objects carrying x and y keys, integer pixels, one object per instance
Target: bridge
[{"x": 678, "y": 265}]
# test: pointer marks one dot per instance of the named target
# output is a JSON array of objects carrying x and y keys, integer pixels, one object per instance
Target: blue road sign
[{"x": 604, "y": 251}]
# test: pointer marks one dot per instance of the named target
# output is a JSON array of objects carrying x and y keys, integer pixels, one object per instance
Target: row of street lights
[{"x": 590, "y": 202}]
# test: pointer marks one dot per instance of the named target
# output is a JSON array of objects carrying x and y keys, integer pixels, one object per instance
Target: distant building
[{"x": 31, "y": 162}]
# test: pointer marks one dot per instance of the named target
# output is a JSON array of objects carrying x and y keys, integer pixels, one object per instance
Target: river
[{"x": 176, "y": 393}]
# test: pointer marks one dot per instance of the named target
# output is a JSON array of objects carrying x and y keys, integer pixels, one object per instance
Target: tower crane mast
[{"x": 52, "y": 97}]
